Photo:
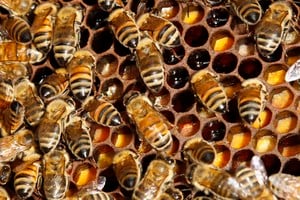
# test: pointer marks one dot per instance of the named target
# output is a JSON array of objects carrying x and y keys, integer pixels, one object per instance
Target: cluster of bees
[{"x": 42, "y": 125}]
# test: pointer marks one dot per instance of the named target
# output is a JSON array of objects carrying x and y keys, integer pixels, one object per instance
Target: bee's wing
[
  {"x": 293, "y": 73},
  {"x": 259, "y": 168}
]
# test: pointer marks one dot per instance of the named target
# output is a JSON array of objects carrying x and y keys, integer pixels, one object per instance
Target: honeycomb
[{"x": 212, "y": 38}]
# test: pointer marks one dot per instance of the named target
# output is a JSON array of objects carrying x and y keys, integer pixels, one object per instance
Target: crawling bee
[
  {"x": 5, "y": 173},
  {"x": 26, "y": 93},
  {"x": 51, "y": 126},
  {"x": 21, "y": 7},
  {"x": 150, "y": 64},
  {"x": 150, "y": 124},
  {"x": 273, "y": 27},
  {"x": 26, "y": 179},
  {"x": 6, "y": 94},
  {"x": 12, "y": 146},
  {"x": 251, "y": 99},
  {"x": 207, "y": 178},
  {"x": 199, "y": 151},
  {"x": 109, "y": 5},
  {"x": 18, "y": 29},
  {"x": 13, "y": 71},
  {"x": 80, "y": 70},
  {"x": 171, "y": 194},
  {"x": 77, "y": 137},
  {"x": 124, "y": 27},
  {"x": 43, "y": 25},
  {"x": 160, "y": 29},
  {"x": 54, "y": 85},
  {"x": 66, "y": 33},
  {"x": 253, "y": 180},
  {"x": 209, "y": 90},
  {"x": 4, "y": 194},
  {"x": 250, "y": 12},
  {"x": 127, "y": 169},
  {"x": 285, "y": 186},
  {"x": 55, "y": 178},
  {"x": 155, "y": 181},
  {"x": 102, "y": 112}
]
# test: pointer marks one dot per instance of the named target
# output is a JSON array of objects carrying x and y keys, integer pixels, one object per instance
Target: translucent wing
[
  {"x": 293, "y": 73},
  {"x": 259, "y": 168}
]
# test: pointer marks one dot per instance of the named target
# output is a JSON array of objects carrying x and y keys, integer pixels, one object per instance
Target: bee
[
  {"x": 150, "y": 64},
  {"x": 199, "y": 151},
  {"x": 285, "y": 186},
  {"x": 127, "y": 169},
  {"x": 6, "y": 93},
  {"x": 171, "y": 194},
  {"x": 13, "y": 117},
  {"x": 26, "y": 179},
  {"x": 160, "y": 29},
  {"x": 43, "y": 25},
  {"x": 5, "y": 173},
  {"x": 77, "y": 137},
  {"x": 51, "y": 126},
  {"x": 66, "y": 33},
  {"x": 253, "y": 180},
  {"x": 124, "y": 27},
  {"x": 155, "y": 181},
  {"x": 273, "y": 27},
  {"x": 13, "y": 71},
  {"x": 18, "y": 29},
  {"x": 102, "y": 112},
  {"x": 293, "y": 73},
  {"x": 209, "y": 90},
  {"x": 26, "y": 93},
  {"x": 12, "y": 146},
  {"x": 17, "y": 7},
  {"x": 150, "y": 124},
  {"x": 251, "y": 99},
  {"x": 80, "y": 70},
  {"x": 54, "y": 85},
  {"x": 4, "y": 194},
  {"x": 249, "y": 12},
  {"x": 207, "y": 178},
  {"x": 109, "y": 5},
  {"x": 55, "y": 178}
]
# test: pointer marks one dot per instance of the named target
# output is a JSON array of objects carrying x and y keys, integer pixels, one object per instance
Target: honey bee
[
  {"x": 4, "y": 194},
  {"x": 150, "y": 124},
  {"x": 26, "y": 93},
  {"x": 13, "y": 145},
  {"x": 80, "y": 70},
  {"x": 6, "y": 94},
  {"x": 18, "y": 29},
  {"x": 273, "y": 27},
  {"x": 171, "y": 194},
  {"x": 26, "y": 179},
  {"x": 13, "y": 117},
  {"x": 285, "y": 186},
  {"x": 253, "y": 180},
  {"x": 124, "y": 27},
  {"x": 199, "y": 151},
  {"x": 13, "y": 71},
  {"x": 78, "y": 139},
  {"x": 150, "y": 64},
  {"x": 51, "y": 126},
  {"x": 102, "y": 112},
  {"x": 54, "y": 85},
  {"x": 160, "y": 29},
  {"x": 5, "y": 173},
  {"x": 209, "y": 90},
  {"x": 249, "y": 12},
  {"x": 20, "y": 7},
  {"x": 66, "y": 33},
  {"x": 220, "y": 183},
  {"x": 55, "y": 178},
  {"x": 127, "y": 169},
  {"x": 109, "y": 5},
  {"x": 155, "y": 181},
  {"x": 251, "y": 99},
  {"x": 43, "y": 25}
]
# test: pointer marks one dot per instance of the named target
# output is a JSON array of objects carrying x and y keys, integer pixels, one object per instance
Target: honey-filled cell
[
  {"x": 198, "y": 59},
  {"x": 289, "y": 145},
  {"x": 84, "y": 174},
  {"x": 272, "y": 163},
  {"x": 122, "y": 137},
  {"x": 239, "y": 136},
  {"x": 242, "y": 156},
  {"x": 128, "y": 69},
  {"x": 188, "y": 125},
  {"x": 174, "y": 55},
  {"x": 196, "y": 36},
  {"x": 292, "y": 55},
  {"x": 214, "y": 130},
  {"x": 281, "y": 97},
  {"x": 291, "y": 166},
  {"x": 221, "y": 41},
  {"x": 222, "y": 157},
  {"x": 285, "y": 122},
  {"x": 263, "y": 118},
  {"x": 217, "y": 17},
  {"x": 183, "y": 101},
  {"x": 224, "y": 62},
  {"x": 103, "y": 155},
  {"x": 250, "y": 68},
  {"x": 264, "y": 141},
  {"x": 102, "y": 40},
  {"x": 192, "y": 14},
  {"x": 275, "y": 74},
  {"x": 177, "y": 77},
  {"x": 106, "y": 65}
]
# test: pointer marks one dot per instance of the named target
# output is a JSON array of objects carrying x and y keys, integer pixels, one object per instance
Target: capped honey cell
[
  {"x": 285, "y": 121},
  {"x": 289, "y": 145},
  {"x": 192, "y": 14},
  {"x": 188, "y": 125},
  {"x": 264, "y": 141},
  {"x": 122, "y": 137},
  {"x": 222, "y": 157},
  {"x": 281, "y": 97},
  {"x": 274, "y": 74},
  {"x": 239, "y": 136},
  {"x": 221, "y": 41}
]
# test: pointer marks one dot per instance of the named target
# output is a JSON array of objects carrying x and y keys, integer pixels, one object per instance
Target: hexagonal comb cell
[
  {"x": 122, "y": 137},
  {"x": 264, "y": 141},
  {"x": 221, "y": 41},
  {"x": 217, "y": 17},
  {"x": 289, "y": 145},
  {"x": 239, "y": 136},
  {"x": 285, "y": 122},
  {"x": 188, "y": 125},
  {"x": 198, "y": 59},
  {"x": 106, "y": 65},
  {"x": 281, "y": 97},
  {"x": 214, "y": 130},
  {"x": 274, "y": 74},
  {"x": 196, "y": 36},
  {"x": 192, "y": 14}
]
